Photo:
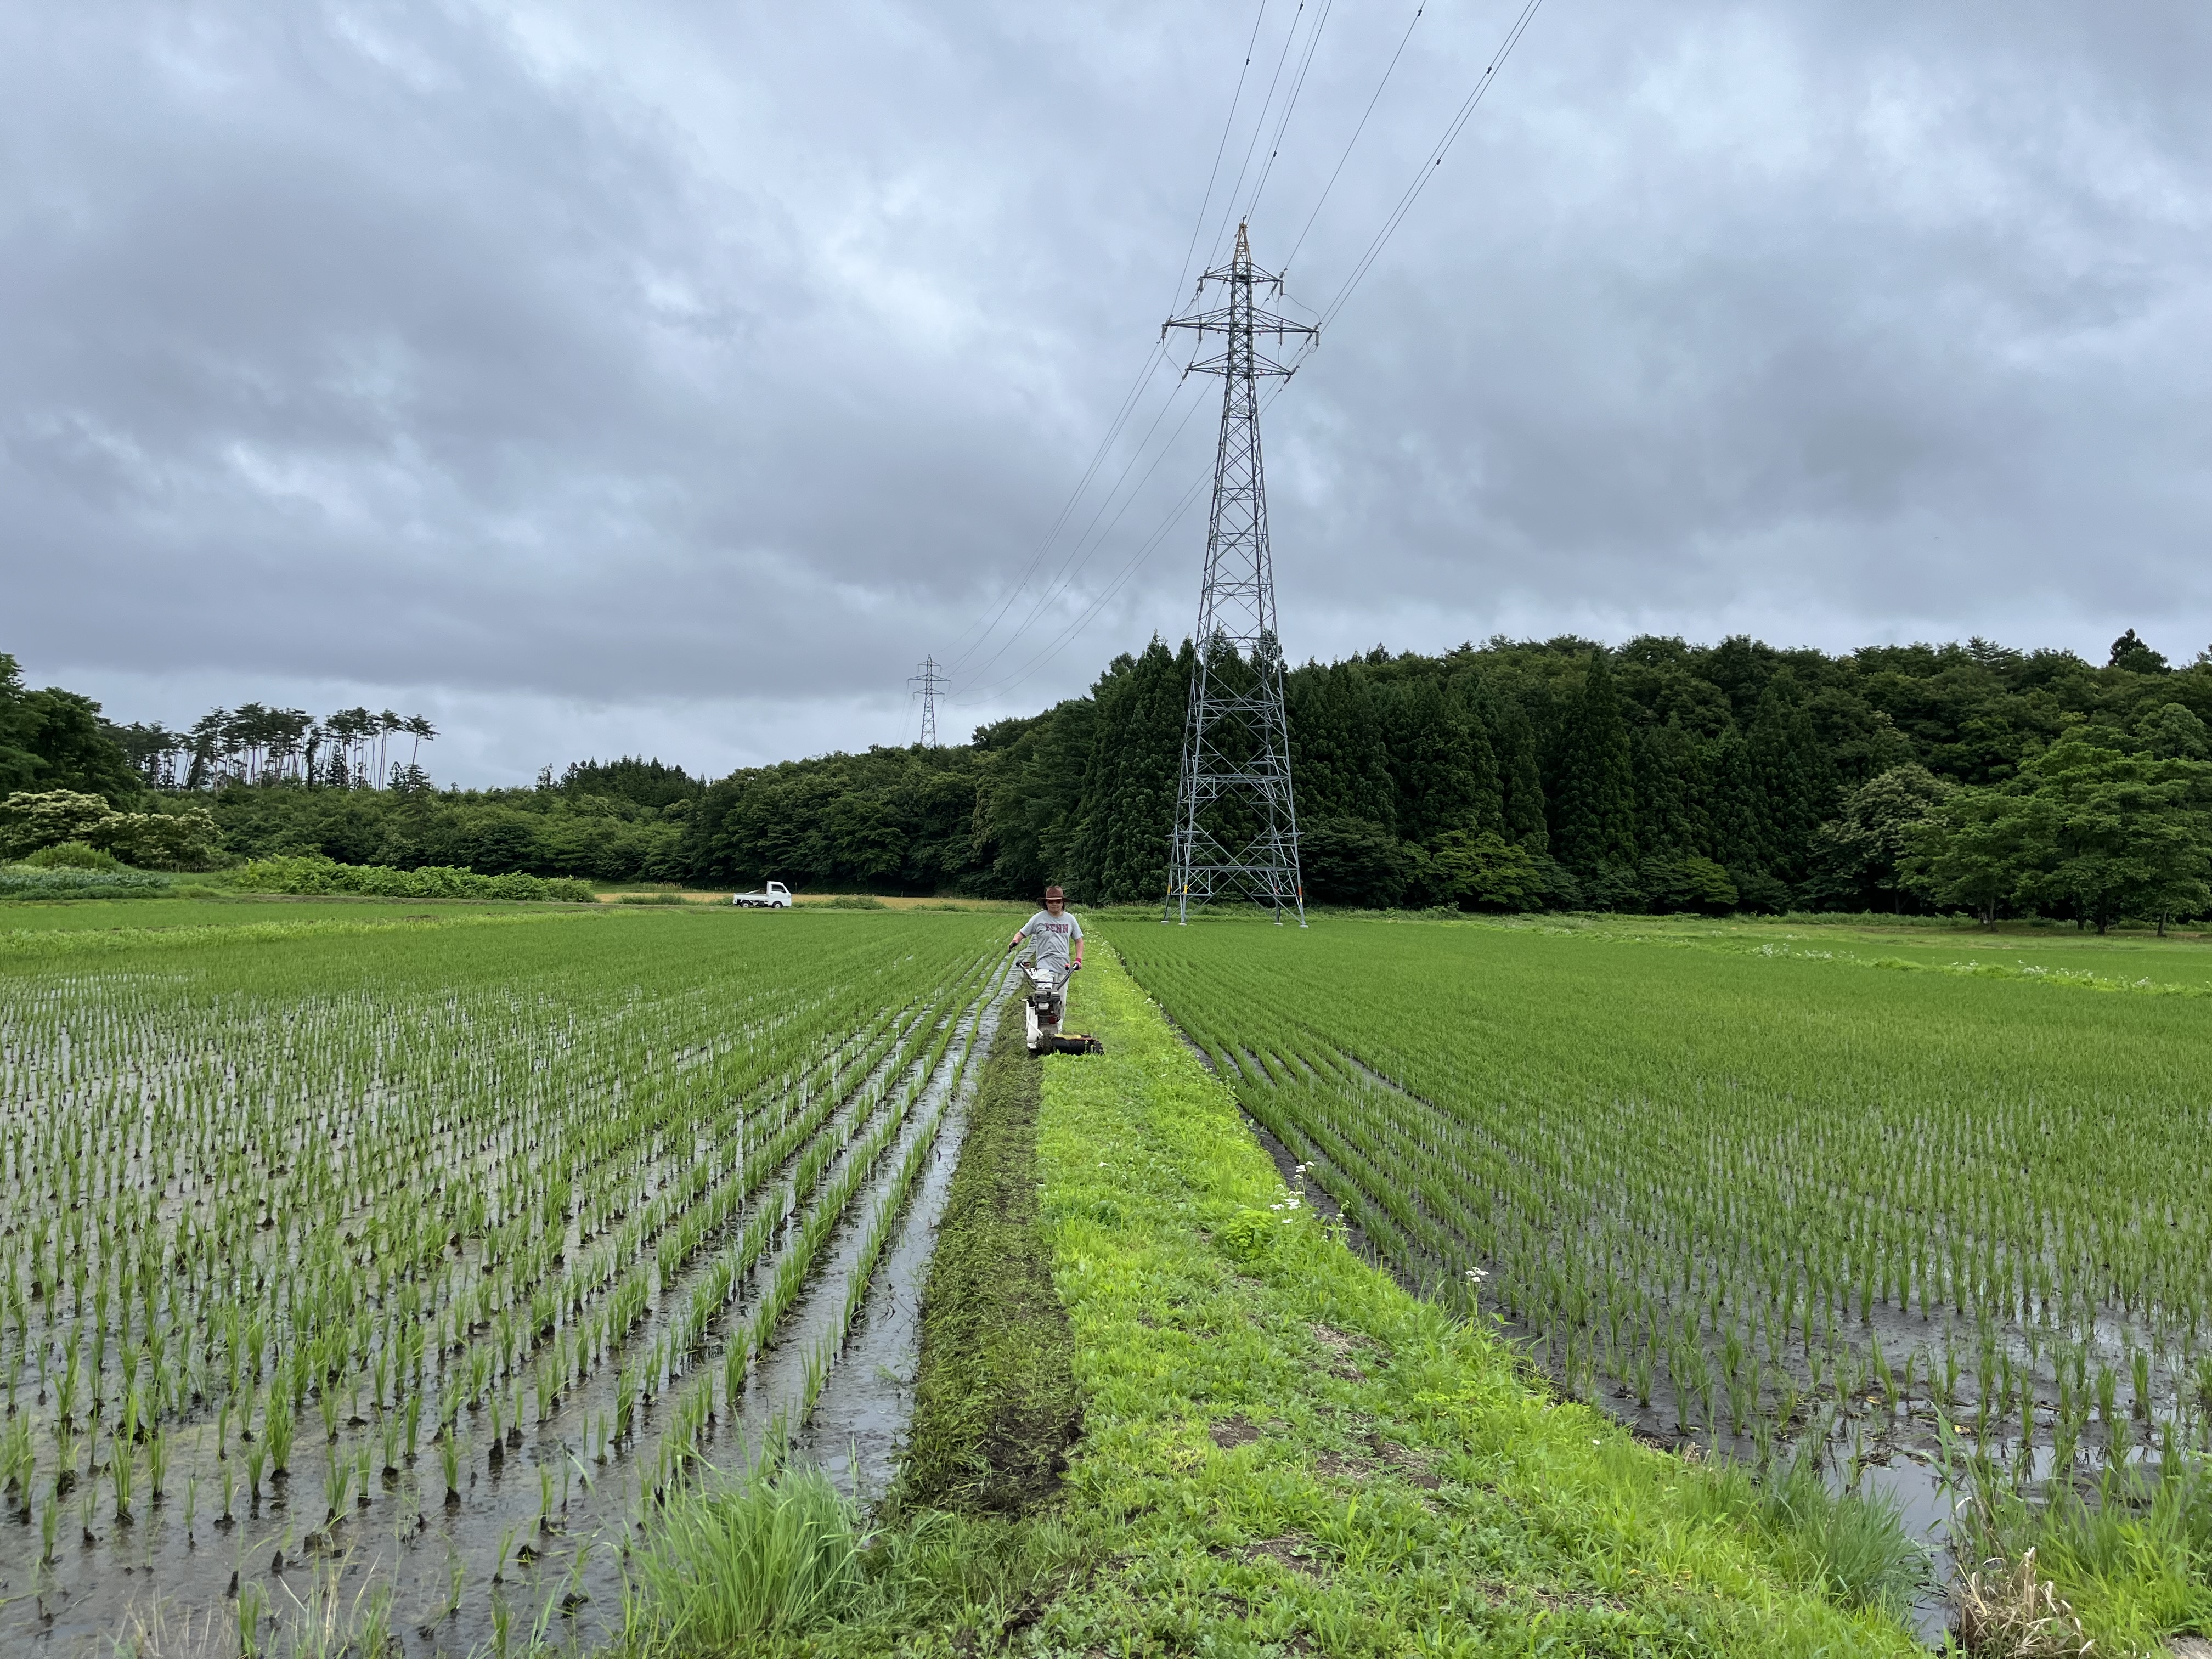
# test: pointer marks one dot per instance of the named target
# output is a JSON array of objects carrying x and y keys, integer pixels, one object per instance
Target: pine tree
[{"x": 1597, "y": 803}]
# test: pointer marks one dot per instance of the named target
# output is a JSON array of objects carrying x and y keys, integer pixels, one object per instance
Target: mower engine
[{"x": 1048, "y": 1001}]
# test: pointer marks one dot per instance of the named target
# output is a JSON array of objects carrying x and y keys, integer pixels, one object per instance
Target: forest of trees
[{"x": 1656, "y": 775}]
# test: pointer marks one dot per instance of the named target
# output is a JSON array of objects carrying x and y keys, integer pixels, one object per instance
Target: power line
[
  {"x": 1105, "y": 595},
  {"x": 1259, "y": 126},
  {"x": 1078, "y": 557},
  {"x": 1153, "y": 358},
  {"x": 1061, "y": 585},
  {"x": 1219, "y": 150},
  {"x": 1086, "y": 544},
  {"x": 1305, "y": 67},
  {"x": 1389, "y": 70},
  {"x": 1434, "y": 160}
]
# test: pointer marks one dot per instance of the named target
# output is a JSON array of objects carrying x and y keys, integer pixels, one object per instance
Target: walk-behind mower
[{"x": 1048, "y": 1001}]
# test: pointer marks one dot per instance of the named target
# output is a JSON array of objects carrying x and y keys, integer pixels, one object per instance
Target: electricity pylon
[
  {"x": 1237, "y": 825},
  {"x": 929, "y": 674}
]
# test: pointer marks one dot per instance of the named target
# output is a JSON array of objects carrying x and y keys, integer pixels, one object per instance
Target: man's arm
[
  {"x": 1076, "y": 937},
  {"x": 1020, "y": 933}
]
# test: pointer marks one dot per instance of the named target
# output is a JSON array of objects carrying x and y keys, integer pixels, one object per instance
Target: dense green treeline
[
  {"x": 1654, "y": 775},
  {"x": 1658, "y": 774},
  {"x": 590, "y": 826},
  {"x": 622, "y": 820}
]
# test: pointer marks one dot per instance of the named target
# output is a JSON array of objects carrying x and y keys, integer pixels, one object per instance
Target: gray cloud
[{"x": 672, "y": 378}]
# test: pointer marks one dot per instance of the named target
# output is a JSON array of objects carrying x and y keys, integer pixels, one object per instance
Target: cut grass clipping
[{"x": 995, "y": 1403}]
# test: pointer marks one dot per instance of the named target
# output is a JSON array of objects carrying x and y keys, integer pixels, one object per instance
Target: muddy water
[{"x": 537, "y": 1534}]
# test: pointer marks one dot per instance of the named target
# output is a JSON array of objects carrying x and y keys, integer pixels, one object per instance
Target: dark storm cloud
[{"x": 671, "y": 377}]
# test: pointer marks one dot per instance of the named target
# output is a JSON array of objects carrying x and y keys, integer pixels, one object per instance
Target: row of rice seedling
[
  {"x": 426, "y": 1206},
  {"x": 1752, "y": 1190}
]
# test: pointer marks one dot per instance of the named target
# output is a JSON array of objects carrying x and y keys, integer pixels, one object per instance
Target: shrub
[
  {"x": 73, "y": 855},
  {"x": 19, "y": 881},
  {"x": 31, "y": 821},
  {"x": 182, "y": 838},
  {"x": 310, "y": 876}
]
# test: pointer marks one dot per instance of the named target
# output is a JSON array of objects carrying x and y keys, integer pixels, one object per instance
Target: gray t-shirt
[{"x": 1050, "y": 936}]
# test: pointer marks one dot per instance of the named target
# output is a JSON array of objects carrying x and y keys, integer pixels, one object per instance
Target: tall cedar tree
[
  {"x": 1669, "y": 790},
  {"x": 1130, "y": 789},
  {"x": 1520, "y": 777},
  {"x": 1436, "y": 761},
  {"x": 1465, "y": 702},
  {"x": 1794, "y": 778},
  {"x": 1597, "y": 795},
  {"x": 1338, "y": 764}
]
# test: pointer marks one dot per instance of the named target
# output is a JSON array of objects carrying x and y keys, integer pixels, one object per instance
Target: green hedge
[
  {"x": 320, "y": 875},
  {"x": 20, "y": 881}
]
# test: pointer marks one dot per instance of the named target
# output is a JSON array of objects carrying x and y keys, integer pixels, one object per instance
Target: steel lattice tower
[
  {"x": 1237, "y": 825},
  {"x": 931, "y": 674}
]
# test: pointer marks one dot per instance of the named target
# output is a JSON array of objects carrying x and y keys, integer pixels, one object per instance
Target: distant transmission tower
[
  {"x": 929, "y": 674},
  {"x": 1236, "y": 827}
]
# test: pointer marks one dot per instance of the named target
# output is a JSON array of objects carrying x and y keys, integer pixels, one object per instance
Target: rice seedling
[
  {"x": 1745, "y": 1188},
  {"x": 280, "y": 1200}
]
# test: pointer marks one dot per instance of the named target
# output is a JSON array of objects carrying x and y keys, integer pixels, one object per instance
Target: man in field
[{"x": 1053, "y": 935}]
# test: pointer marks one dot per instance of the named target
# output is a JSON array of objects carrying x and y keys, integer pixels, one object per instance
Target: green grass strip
[
  {"x": 995, "y": 1403},
  {"x": 1284, "y": 1451}
]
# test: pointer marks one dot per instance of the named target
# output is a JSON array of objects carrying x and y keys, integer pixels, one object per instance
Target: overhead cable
[
  {"x": 1389, "y": 70},
  {"x": 1259, "y": 126},
  {"x": 1305, "y": 67},
  {"x": 1153, "y": 358},
  {"x": 969, "y": 638},
  {"x": 1219, "y": 150},
  {"x": 1095, "y": 535},
  {"x": 1434, "y": 160}
]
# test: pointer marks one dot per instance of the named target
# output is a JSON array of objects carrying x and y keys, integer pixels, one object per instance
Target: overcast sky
[{"x": 671, "y": 379}]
